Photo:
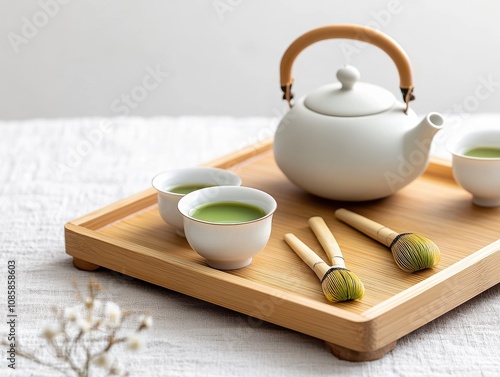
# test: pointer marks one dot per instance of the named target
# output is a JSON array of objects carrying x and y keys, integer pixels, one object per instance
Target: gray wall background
[{"x": 68, "y": 58}]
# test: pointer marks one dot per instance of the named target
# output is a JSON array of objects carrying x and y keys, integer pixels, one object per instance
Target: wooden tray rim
[{"x": 87, "y": 226}]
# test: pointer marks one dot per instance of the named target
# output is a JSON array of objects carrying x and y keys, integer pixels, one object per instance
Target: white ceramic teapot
[{"x": 352, "y": 140}]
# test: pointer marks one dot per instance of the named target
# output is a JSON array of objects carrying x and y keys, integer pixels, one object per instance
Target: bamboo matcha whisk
[
  {"x": 338, "y": 283},
  {"x": 327, "y": 241},
  {"x": 412, "y": 252}
]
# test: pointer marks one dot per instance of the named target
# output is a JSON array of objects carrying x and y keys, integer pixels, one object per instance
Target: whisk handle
[
  {"x": 307, "y": 255},
  {"x": 327, "y": 240},
  {"x": 369, "y": 227}
]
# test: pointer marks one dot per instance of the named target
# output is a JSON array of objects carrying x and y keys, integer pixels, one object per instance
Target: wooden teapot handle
[{"x": 348, "y": 31}]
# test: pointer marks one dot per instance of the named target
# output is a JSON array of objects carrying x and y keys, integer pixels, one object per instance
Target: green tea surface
[
  {"x": 186, "y": 189},
  {"x": 228, "y": 212},
  {"x": 483, "y": 152}
]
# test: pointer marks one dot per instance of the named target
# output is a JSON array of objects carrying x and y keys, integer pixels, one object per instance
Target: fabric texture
[{"x": 53, "y": 171}]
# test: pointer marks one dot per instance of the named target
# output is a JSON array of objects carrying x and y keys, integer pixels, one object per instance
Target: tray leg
[
  {"x": 84, "y": 265},
  {"x": 350, "y": 355}
]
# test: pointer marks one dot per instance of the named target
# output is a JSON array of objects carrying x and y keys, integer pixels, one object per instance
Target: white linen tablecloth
[{"x": 53, "y": 171}]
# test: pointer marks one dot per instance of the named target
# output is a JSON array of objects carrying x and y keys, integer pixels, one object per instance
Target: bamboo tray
[{"x": 130, "y": 237}]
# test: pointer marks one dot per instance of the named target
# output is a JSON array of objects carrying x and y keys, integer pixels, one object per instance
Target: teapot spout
[
  {"x": 417, "y": 147},
  {"x": 428, "y": 127}
]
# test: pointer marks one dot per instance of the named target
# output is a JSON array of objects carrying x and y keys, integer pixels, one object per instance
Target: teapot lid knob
[
  {"x": 349, "y": 97},
  {"x": 348, "y": 76}
]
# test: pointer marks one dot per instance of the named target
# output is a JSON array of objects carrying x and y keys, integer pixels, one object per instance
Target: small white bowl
[
  {"x": 167, "y": 201},
  {"x": 479, "y": 176},
  {"x": 227, "y": 246}
]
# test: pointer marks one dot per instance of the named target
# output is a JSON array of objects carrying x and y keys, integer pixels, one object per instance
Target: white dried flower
[
  {"x": 116, "y": 370},
  {"x": 93, "y": 303},
  {"x": 89, "y": 302},
  {"x": 113, "y": 314},
  {"x": 97, "y": 304},
  {"x": 51, "y": 330},
  {"x": 82, "y": 331},
  {"x": 72, "y": 314},
  {"x": 84, "y": 325},
  {"x": 104, "y": 361},
  {"x": 135, "y": 342},
  {"x": 146, "y": 321}
]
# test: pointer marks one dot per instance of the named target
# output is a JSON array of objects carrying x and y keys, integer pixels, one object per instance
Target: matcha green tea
[
  {"x": 483, "y": 152},
  {"x": 186, "y": 189},
  {"x": 228, "y": 212}
]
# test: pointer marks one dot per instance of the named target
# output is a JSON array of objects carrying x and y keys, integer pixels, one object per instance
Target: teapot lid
[{"x": 349, "y": 98}]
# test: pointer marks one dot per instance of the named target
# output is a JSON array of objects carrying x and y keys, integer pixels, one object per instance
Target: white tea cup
[
  {"x": 228, "y": 245},
  {"x": 473, "y": 171},
  {"x": 165, "y": 183}
]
